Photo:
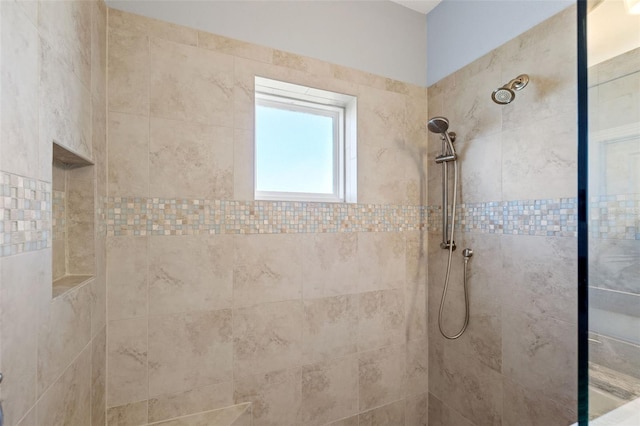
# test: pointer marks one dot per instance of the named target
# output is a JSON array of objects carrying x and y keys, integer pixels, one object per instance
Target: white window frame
[{"x": 342, "y": 109}]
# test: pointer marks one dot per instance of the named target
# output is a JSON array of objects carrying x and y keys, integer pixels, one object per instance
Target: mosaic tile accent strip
[
  {"x": 615, "y": 217},
  {"x": 553, "y": 217},
  {"x": 58, "y": 216},
  {"x": 156, "y": 216},
  {"x": 25, "y": 214}
]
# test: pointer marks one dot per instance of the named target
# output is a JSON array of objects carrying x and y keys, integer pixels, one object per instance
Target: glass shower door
[{"x": 613, "y": 55}]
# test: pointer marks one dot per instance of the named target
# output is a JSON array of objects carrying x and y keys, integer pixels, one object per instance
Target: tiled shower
[{"x": 201, "y": 298}]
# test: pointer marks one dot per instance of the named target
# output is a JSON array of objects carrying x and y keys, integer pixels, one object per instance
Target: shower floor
[{"x": 609, "y": 389}]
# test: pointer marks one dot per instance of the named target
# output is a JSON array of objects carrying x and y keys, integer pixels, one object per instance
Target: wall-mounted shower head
[{"x": 507, "y": 93}]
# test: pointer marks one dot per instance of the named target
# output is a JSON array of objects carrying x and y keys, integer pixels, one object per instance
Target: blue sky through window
[{"x": 294, "y": 151}]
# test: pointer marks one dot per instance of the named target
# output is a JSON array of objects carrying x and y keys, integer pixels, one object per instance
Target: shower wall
[
  {"x": 53, "y": 83},
  {"x": 516, "y": 363},
  {"x": 314, "y": 312}
]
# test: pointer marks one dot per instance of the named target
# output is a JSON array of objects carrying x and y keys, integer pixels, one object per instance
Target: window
[{"x": 305, "y": 143}]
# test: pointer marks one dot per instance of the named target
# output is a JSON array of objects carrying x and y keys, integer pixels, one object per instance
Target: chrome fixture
[
  {"x": 440, "y": 125},
  {"x": 507, "y": 93}
]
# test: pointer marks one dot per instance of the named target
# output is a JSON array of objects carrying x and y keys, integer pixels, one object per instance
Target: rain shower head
[
  {"x": 507, "y": 93},
  {"x": 438, "y": 125}
]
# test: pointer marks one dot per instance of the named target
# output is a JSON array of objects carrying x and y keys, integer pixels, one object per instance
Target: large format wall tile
[
  {"x": 529, "y": 408},
  {"x": 191, "y": 84},
  {"x": 195, "y": 400},
  {"x": 382, "y": 375},
  {"x": 188, "y": 351},
  {"x": 381, "y": 317},
  {"x": 67, "y": 27},
  {"x": 65, "y": 329},
  {"x": 381, "y": 260},
  {"x": 329, "y": 390},
  {"x": 128, "y": 73},
  {"x": 330, "y": 327},
  {"x": 268, "y": 268},
  {"x": 275, "y": 397},
  {"x": 99, "y": 378},
  {"x": 390, "y": 414},
  {"x": 267, "y": 337},
  {"x": 128, "y": 155},
  {"x": 21, "y": 277},
  {"x": 331, "y": 266},
  {"x": 190, "y": 273},
  {"x": 190, "y": 160},
  {"x": 68, "y": 400},
  {"x": 19, "y": 82},
  {"x": 128, "y": 379},
  {"x": 127, "y": 277}
]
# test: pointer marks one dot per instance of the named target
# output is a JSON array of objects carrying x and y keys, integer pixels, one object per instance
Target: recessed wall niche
[{"x": 73, "y": 220}]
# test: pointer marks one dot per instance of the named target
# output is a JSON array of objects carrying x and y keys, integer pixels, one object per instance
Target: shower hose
[{"x": 466, "y": 260}]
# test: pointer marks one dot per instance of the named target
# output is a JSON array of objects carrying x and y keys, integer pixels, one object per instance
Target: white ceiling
[
  {"x": 611, "y": 31},
  {"x": 422, "y": 6}
]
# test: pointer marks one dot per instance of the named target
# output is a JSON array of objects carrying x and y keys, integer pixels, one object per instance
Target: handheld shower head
[
  {"x": 438, "y": 125},
  {"x": 507, "y": 93}
]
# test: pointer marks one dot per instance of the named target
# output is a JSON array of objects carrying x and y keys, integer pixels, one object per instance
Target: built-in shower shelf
[{"x": 67, "y": 282}]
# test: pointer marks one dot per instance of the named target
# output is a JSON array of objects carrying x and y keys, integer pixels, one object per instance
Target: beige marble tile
[
  {"x": 417, "y": 366},
  {"x": 381, "y": 316},
  {"x": 65, "y": 329},
  {"x": 416, "y": 251},
  {"x": 382, "y": 376},
  {"x": 64, "y": 110},
  {"x": 329, "y": 390},
  {"x": 330, "y": 327},
  {"x": 527, "y": 408},
  {"x": 441, "y": 415},
  {"x": 479, "y": 170},
  {"x": 126, "y": 23},
  {"x": 192, "y": 84},
  {"x": 190, "y": 160},
  {"x": 542, "y": 283},
  {"x": 188, "y": 351},
  {"x": 268, "y": 268},
  {"x": 381, "y": 118},
  {"x": 134, "y": 414},
  {"x": 68, "y": 400},
  {"x": 234, "y": 47},
  {"x": 308, "y": 65},
  {"x": 243, "y": 170},
  {"x": 544, "y": 169},
  {"x": 416, "y": 411},
  {"x": 22, "y": 278},
  {"x": 67, "y": 27},
  {"x": 275, "y": 397},
  {"x": 127, "y": 366},
  {"x": 390, "y": 414},
  {"x": 99, "y": 378},
  {"x": 267, "y": 337},
  {"x": 19, "y": 84},
  {"x": 224, "y": 416},
  {"x": 381, "y": 176},
  {"x": 190, "y": 273},
  {"x": 128, "y": 72},
  {"x": 127, "y": 277},
  {"x": 468, "y": 386},
  {"x": 99, "y": 289},
  {"x": 132, "y": 24},
  {"x": 331, "y": 266},
  {"x": 540, "y": 353},
  {"x": 381, "y": 260},
  {"x": 128, "y": 155},
  {"x": 359, "y": 77},
  {"x": 30, "y": 419},
  {"x": 99, "y": 51},
  {"x": 99, "y": 140},
  {"x": 552, "y": 87},
  {"x": 81, "y": 208},
  {"x": 59, "y": 258},
  {"x": 196, "y": 400},
  {"x": 349, "y": 421}
]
